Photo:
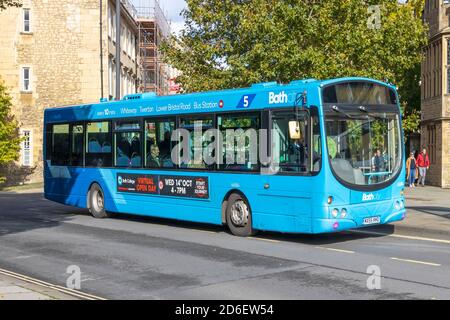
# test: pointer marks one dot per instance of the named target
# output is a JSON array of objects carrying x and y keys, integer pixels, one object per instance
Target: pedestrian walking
[
  {"x": 411, "y": 170},
  {"x": 423, "y": 163}
]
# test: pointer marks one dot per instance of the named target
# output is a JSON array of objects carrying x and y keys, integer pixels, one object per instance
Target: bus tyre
[
  {"x": 239, "y": 216},
  {"x": 96, "y": 200}
]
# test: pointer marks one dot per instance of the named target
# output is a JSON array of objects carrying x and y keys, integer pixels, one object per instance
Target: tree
[
  {"x": 9, "y": 135},
  {"x": 234, "y": 43},
  {"x": 9, "y": 3}
]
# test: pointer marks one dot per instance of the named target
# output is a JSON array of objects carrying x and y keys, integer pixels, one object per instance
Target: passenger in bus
[{"x": 378, "y": 164}]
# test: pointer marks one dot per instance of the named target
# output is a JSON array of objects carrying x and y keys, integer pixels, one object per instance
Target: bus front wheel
[
  {"x": 96, "y": 200},
  {"x": 239, "y": 216}
]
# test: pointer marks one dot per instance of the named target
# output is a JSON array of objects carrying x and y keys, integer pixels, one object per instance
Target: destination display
[{"x": 166, "y": 185}]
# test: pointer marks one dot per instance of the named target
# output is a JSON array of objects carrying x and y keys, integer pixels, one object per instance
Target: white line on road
[
  {"x": 41, "y": 283},
  {"x": 418, "y": 262},
  {"x": 337, "y": 250},
  {"x": 264, "y": 239},
  {"x": 401, "y": 236}
]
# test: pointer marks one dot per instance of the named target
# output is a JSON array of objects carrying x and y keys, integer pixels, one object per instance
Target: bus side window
[
  {"x": 316, "y": 140},
  {"x": 98, "y": 144},
  {"x": 289, "y": 154},
  {"x": 77, "y": 145},
  {"x": 60, "y": 145},
  {"x": 240, "y": 142},
  {"x": 197, "y": 142},
  {"x": 158, "y": 143},
  {"x": 127, "y": 144}
]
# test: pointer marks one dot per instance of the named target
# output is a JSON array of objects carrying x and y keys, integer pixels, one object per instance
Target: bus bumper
[{"x": 336, "y": 225}]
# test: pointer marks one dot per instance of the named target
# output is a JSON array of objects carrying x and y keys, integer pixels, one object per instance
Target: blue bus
[{"x": 337, "y": 149}]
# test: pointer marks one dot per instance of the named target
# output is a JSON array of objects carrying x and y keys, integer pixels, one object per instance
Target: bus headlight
[
  {"x": 335, "y": 213},
  {"x": 397, "y": 205},
  {"x": 343, "y": 213}
]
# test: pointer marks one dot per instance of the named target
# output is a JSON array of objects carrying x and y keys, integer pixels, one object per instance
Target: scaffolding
[{"x": 153, "y": 29}]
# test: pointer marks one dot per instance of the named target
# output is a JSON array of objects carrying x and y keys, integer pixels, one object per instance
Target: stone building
[
  {"x": 62, "y": 52},
  {"x": 435, "y": 95}
]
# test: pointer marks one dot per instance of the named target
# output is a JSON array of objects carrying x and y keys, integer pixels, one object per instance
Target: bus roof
[{"x": 256, "y": 97}]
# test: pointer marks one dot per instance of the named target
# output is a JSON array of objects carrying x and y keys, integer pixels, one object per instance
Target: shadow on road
[
  {"x": 311, "y": 239},
  {"x": 24, "y": 212},
  {"x": 443, "y": 212},
  {"x": 29, "y": 211}
]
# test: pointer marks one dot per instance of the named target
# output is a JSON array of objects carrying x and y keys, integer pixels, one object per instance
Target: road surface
[{"x": 129, "y": 257}]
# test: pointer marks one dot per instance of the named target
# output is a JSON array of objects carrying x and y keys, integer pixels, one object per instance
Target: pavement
[
  {"x": 14, "y": 288},
  {"x": 129, "y": 257},
  {"x": 428, "y": 212}
]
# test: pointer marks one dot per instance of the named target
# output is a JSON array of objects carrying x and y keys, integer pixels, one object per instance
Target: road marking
[
  {"x": 418, "y": 262},
  {"x": 264, "y": 239},
  {"x": 205, "y": 231},
  {"x": 337, "y": 250},
  {"x": 41, "y": 283},
  {"x": 401, "y": 236}
]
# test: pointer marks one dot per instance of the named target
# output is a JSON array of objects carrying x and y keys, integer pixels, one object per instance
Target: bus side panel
[{"x": 285, "y": 205}]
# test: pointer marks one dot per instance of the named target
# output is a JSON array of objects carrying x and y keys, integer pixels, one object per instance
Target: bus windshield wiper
[{"x": 336, "y": 109}]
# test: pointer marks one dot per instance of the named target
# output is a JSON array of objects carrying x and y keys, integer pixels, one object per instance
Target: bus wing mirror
[{"x": 294, "y": 130}]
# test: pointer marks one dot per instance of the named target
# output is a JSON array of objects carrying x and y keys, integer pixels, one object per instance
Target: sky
[{"x": 172, "y": 10}]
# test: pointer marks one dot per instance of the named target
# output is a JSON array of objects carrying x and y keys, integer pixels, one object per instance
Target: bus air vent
[
  {"x": 295, "y": 82},
  {"x": 264, "y": 85},
  {"x": 140, "y": 96}
]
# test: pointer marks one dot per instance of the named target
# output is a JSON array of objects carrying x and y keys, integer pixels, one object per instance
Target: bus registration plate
[{"x": 371, "y": 220}]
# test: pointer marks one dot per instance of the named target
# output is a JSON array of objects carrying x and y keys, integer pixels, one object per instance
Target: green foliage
[
  {"x": 9, "y": 135},
  {"x": 411, "y": 120},
  {"x": 234, "y": 43},
  {"x": 9, "y": 3}
]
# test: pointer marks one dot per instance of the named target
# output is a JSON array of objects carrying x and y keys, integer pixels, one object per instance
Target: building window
[
  {"x": 27, "y": 148},
  {"x": 26, "y": 75},
  {"x": 432, "y": 143},
  {"x": 26, "y": 20}
]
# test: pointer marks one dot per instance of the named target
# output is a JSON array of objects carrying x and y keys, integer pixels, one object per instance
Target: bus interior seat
[
  {"x": 94, "y": 146},
  {"x": 123, "y": 161},
  {"x": 135, "y": 160},
  {"x": 106, "y": 147}
]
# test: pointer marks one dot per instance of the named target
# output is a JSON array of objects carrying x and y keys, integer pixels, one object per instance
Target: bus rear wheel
[
  {"x": 239, "y": 216},
  {"x": 96, "y": 200}
]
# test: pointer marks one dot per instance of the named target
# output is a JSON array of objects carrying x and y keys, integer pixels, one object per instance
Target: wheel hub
[
  {"x": 98, "y": 201},
  {"x": 239, "y": 213}
]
